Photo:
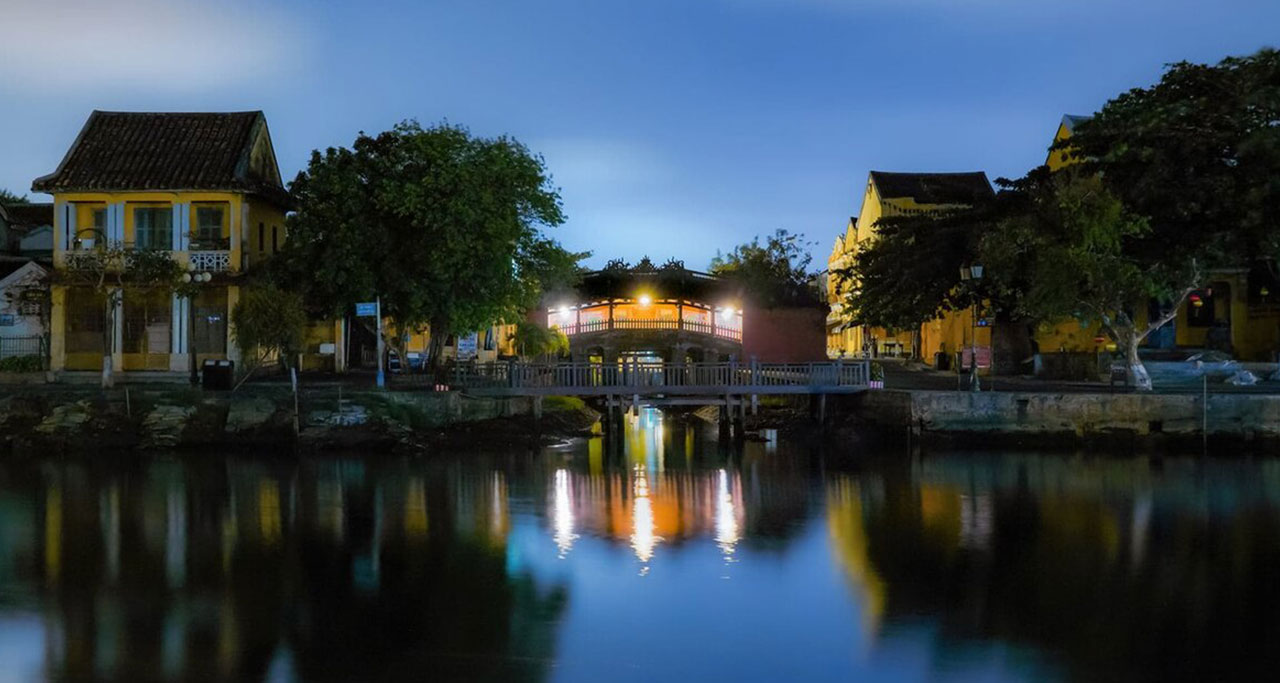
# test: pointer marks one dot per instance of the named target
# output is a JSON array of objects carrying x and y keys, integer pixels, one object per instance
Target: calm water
[{"x": 667, "y": 559}]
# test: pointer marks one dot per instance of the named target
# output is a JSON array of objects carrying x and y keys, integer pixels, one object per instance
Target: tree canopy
[
  {"x": 268, "y": 321},
  {"x": 444, "y": 226},
  {"x": 1174, "y": 181},
  {"x": 773, "y": 273},
  {"x": 9, "y": 198}
]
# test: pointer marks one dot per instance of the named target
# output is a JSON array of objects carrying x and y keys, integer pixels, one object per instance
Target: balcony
[
  {"x": 593, "y": 327},
  {"x": 210, "y": 255}
]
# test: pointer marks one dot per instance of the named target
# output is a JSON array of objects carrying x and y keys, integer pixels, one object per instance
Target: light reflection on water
[{"x": 667, "y": 558}]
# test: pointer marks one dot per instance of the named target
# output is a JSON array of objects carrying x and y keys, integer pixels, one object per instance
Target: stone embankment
[
  {"x": 40, "y": 420},
  {"x": 1069, "y": 420}
]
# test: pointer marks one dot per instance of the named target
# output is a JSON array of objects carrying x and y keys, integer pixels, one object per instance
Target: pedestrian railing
[
  {"x": 627, "y": 377},
  {"x": 17, "y": 347}
]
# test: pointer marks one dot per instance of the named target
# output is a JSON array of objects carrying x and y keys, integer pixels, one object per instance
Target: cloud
[{"x": 163, "y": 45}]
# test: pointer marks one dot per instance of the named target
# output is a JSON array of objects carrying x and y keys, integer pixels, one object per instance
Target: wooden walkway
[{"x": 661, "y": 379}]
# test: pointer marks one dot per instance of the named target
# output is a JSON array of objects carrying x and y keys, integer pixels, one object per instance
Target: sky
[{"x": 673, "y": 128}]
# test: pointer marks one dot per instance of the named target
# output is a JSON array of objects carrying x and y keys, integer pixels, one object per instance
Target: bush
[
  {"x": 877, "y": 372},
  {"x": 21, "y": 364}
]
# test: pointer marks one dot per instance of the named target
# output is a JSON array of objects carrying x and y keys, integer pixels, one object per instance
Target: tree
[
  {"x": 269, "y": 322},
  {"x": 445, "y": 227},
  {"x": 533, "y": 340},
  {"x": 775, "y": 273},
  {"x": 110, "y": 270},
  {"x": 10, "y": 199},
  {"x": 1073, "y": 242},
  {"x": 908, "y": 273},
  {"x": 1175, "y": 181}
]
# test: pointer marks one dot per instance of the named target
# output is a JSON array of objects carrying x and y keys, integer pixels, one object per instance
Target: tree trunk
[
  {"x": 435, "y": 353},
  {"x": 108, "y": 342},
  {"x": 917, "y": 344},
  {"x": 1136, "y": 372},
  {"x": 1010, "y": 347}
]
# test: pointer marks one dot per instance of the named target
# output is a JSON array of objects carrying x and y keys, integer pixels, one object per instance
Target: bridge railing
[{"x": 638, "y": 375}]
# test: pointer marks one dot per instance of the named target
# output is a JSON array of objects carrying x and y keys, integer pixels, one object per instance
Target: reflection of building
[
  {"x": 204, "y": 187},
  {"x": 890, "y": 195},
  {"x": 658, "y": 313}
]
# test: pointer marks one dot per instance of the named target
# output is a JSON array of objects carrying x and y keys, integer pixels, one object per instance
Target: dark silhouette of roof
[
  {"x": 934, "y": 188},
  {"x": 30, "y": 215},
  {"x": 122, "y": 151}
]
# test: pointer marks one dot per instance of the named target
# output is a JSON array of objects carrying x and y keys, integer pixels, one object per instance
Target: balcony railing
[
  {"x": 708, "y": 329},
  {"x": 211, "y": 261}
]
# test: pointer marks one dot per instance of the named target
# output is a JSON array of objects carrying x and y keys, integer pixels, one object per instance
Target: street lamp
[
  {"x": 190, "y": 288},
  {"x": 973, "y": 274}
]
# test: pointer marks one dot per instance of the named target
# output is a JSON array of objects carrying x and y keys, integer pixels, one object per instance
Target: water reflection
[{"x": 667, "y": 558}]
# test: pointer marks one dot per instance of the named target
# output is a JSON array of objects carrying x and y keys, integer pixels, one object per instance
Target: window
[
  {"x": 489, "y": 342},
  {"x": 262, "y": 237},
  {"x": 153, "y": 227},
  {"x": 209, "y": 222},
  {"x": 29, "y": 308}
]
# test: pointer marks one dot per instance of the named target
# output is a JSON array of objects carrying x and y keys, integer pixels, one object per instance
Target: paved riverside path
[{"x": 661, "y": 379}]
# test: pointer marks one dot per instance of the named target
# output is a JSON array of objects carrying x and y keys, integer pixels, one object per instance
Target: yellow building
[
  {"x": 203, "y": 186},
  {"x": 890, "y": 195}
]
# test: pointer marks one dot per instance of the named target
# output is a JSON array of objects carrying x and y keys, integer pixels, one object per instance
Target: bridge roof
[{"x": 667, "y": 282}]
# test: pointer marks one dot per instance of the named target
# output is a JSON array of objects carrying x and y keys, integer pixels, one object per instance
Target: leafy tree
[
  {"x": 269, "y": 323},
  {"x": 10, "y": 199},
  {"x": 444, "y": 226},
  {"x": 908, "y": 273},
  {"x": 533, "y": 340},
  {"x": 1073, "y": 243},
  {"x": 773, "y": 273},
  {"x": 111, "y": 270},
  {"x": 1177, "y": 180}
]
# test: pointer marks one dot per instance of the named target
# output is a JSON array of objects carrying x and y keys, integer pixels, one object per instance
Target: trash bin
[
  {"x": 217, "y": 375},
  {"x": 942, "y": 361}
]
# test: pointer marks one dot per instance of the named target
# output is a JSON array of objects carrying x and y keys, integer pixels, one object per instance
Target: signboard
[
  {"x": 368, "y": 309},
  {"x": 984, "y": 356},
  {"x": 467, "y": 346}
]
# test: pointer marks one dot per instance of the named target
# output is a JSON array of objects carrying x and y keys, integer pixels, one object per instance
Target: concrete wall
[{"x": 1071, "y": 415}]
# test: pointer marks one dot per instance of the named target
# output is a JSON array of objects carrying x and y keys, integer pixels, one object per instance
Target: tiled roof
[
  {"x": 122, "y": 151},
  {"x": 933, "y": 188},
  {"x": 30, "y": 215}
]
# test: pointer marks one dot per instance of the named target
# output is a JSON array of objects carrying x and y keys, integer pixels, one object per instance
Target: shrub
[{"x": 21, "y": 364}]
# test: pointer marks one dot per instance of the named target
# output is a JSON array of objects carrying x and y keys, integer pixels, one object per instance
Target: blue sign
[{"x": 367, "y": 309}]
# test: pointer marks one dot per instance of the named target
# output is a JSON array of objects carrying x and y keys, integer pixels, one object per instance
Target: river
[{"x": 665, "y": 557}]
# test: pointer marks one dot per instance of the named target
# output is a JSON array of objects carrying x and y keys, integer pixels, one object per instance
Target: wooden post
[{"x": 724, "y": 420}]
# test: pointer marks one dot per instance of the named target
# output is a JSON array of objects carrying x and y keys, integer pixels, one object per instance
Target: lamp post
[
  {"x": 971, "y": 275},
  {"x": 189, "y": 288}
]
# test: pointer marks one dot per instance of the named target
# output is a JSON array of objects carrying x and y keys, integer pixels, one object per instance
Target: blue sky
[{"x": 672, "y": 127}]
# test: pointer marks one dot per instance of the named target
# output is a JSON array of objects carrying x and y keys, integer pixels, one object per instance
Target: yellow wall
[
  {"x": 1059, "y": 159},
  {"x": 236, "y": 207},
  {"x": 951, "y": 332}
]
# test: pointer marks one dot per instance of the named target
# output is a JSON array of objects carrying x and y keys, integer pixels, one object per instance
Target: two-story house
[
  {"x": 903, "y": 194},
  {"x": 204, "y": 186}
]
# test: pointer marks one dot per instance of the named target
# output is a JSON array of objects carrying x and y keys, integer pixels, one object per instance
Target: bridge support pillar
[
  {"x": 724, "y": 419},
  {"x": 740, "y": 420}
]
